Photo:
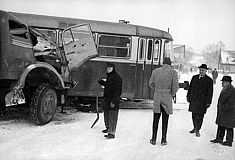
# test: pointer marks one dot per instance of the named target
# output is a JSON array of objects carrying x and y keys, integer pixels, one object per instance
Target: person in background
[
  {"x": 225, "y": 113},
  {"x": 199, "y": 97},
  {"x": 164, "y": 82},
  {"x": 214, "y": 75},
  {"x": 112, "y": 93}
]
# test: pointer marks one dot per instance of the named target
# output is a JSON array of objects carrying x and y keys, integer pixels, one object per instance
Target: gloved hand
[{"x": 112, "y": 105}]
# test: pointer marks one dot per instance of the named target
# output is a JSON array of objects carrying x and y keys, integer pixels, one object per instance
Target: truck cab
[{"x": 36, "y": 71}]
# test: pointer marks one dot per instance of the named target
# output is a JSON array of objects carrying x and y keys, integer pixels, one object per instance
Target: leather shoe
[
  {"x": 198, "y": 134},
  {"x": 163, "y": 142},
  {"x": 227, "y": 143},
  {"x": 109, "y": 136},
  {"x": 153, "y": 142},
  {"x": 105, "y": 130},
  {"x": 192, "y": 131},
  {"x": 216, "y": 141}
]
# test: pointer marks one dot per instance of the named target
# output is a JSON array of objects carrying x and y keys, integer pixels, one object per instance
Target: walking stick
[
  {"x": 97, "y": 103},
  {"x": 97, "y": 111}
]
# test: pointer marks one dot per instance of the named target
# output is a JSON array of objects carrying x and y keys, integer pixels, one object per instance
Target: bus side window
[
  {"x": 156, "y": 49},
  {"x": 17, "y": 29},
  {"x": 114, "y": 46},
  {"x": 150, "y": 49},
  {"x": 141, "y": 50}
]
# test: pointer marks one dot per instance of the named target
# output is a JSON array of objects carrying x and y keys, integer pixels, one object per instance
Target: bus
[{"x": 135, "y": 50}]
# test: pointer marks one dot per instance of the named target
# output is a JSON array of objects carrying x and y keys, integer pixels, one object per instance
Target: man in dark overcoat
[
  {"x": 199, "y": 97},
  {"x": 225, "y": 113},
  {"x": 214, "y": 75},
  {"x": 112, "y": 93}
]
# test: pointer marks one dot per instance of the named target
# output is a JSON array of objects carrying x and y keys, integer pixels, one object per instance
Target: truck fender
[{"x": 16, "y": 96}]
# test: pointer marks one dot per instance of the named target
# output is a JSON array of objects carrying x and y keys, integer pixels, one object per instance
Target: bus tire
[{"x": 43, "y": 105}]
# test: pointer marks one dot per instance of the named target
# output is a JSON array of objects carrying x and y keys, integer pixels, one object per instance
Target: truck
[{"x": 34, "y": 70}]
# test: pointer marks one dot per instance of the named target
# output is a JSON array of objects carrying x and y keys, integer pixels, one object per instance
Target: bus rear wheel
[{"x": 43, "y": 105}]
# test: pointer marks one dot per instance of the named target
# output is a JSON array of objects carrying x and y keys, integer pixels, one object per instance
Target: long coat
[
  {"x": 226, "y": 108},
  {"x": 164, "y": 81},
  {"x": 199, "y": 94},
  {"x": 112, "y": 89}
]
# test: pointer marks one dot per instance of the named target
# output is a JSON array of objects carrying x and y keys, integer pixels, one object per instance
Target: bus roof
[{"x": 44, "y": 21}]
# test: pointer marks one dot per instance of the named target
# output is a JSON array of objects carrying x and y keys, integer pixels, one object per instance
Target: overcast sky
[{"x": 195, "y": 23}]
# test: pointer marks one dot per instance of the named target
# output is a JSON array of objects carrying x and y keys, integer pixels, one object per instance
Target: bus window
[
  {"x": 150, "y": 49},
  {"x": 156, "y": 49},
  {"x": 141, "y": 49},
  {"x": 114, "y": 46},
  {"x": 168, "y": 49},
  {"x": 17, "y": 29}
]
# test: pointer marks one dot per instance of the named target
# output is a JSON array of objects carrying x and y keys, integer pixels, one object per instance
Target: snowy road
[{"x": 69, "y": 137}]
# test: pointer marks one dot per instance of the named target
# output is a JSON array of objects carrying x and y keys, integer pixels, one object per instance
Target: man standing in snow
[
  {"x": 199, "y": 97},
  {"x": 164, "y": 82},
  {"x": 214, "y": 75},
  {"x": 225, "y": 113},
  {"x": 112, "y": 93}
]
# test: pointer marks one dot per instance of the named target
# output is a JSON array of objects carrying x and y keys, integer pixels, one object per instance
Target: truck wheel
[
  {"x": 3, "y": 93},
  {"x": 43, "y": 105}
]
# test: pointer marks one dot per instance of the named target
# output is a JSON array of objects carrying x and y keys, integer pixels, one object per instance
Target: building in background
[
  {"x": 226, "y": 61},
  {"x": 179, "y": 57}
]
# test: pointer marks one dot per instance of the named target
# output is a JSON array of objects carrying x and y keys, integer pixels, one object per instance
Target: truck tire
[
  {"x": 3, "y": 93},
  {"x": 43, "y": 105}
]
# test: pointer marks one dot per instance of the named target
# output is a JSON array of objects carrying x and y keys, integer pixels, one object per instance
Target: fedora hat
[
  {"x": 227, "y": 79},
  {"x": 108, "y": 64},
  {"x": 203, "y": 66}
]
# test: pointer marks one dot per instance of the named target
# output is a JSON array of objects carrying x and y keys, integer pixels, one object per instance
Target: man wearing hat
[
  {"x": 199, "y": 97},
  {"x": 225, "y": 113},
  {"x": 164, "y": 82},
  {"x": 112, "y": 93}
]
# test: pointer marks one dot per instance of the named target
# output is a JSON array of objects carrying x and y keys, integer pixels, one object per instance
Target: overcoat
[
  {"x": 199, "y": 94},
  {"x": 112, "y": 89},
  {"x": 226, "y": 108},
  {"x": 164, "y": 81}
]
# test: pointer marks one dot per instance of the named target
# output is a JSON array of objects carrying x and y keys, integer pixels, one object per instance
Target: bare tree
[{"x": 211, "y": 53}]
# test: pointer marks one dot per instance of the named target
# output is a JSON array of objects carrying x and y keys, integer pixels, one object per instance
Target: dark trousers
[
  {"x": 156, "y": 117},
  {"x": 110, "y": 120},
  {"x": 197, "y": 120},
  {"x": 221, "y": 132}
]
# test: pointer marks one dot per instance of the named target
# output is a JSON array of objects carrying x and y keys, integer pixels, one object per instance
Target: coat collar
[
  {"x": 113, "y": 71},
  {"x": 199, "y": 76},
  {"x": 226, "y": 88}
]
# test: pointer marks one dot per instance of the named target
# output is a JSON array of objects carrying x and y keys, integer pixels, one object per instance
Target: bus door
[
  {"x": 155, "y": 61},
  {"x": 79, "y": 45},
  {"x": 143, "y": 67},
  {"x": 148, "y": 59}
]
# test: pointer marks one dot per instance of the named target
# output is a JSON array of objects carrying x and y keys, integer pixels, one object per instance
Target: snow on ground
[{"x": 70, "y": 137}]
